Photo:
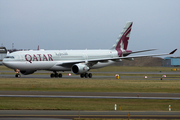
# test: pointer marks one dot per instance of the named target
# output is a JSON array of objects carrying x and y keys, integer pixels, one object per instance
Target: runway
[
  {"x": 46, "y": 75},
  {"x": 160, "y": 72},
  {"x": 52, "y": 114},
  {"x": 95, "y": 95},
  {"x": 65, "y": 76}
]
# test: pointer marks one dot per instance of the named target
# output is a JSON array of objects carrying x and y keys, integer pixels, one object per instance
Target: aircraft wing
[
  {"x": 129, "y": 57},
  {"x": 172, "y": 52},
  {"x": 94, "y": 61},
  {"x": 69, "y": 64}
]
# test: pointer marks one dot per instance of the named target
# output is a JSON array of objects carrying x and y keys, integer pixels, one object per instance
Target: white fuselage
[{"x": 52, "y": 59}]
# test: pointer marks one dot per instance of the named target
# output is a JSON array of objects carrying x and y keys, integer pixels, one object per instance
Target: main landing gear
[
  {"x": 83, "y": 75},
  {"x": 86, "y": 75},
  {"x": 56, "y": 75}
]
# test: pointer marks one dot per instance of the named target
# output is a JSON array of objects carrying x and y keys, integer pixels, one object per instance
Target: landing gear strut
[
  {"x": 86, "y": 75},
  {"x": 17, "y": 73},
  {"x": 55, "y": 74}
]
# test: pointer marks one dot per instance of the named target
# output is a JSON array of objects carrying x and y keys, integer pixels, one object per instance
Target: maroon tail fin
[{"x": 122, "y": 42}]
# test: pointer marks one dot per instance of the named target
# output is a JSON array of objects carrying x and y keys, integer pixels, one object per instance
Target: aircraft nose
[
  {"x": 8, "y": 63},
  {"x": 4, "y": 62}
]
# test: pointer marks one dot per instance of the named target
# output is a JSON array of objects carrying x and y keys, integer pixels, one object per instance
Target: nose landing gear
[{"x": 17, "y": 73}]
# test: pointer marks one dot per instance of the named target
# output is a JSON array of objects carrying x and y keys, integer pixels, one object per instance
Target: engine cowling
[
  {"x": 27, "y": 72},
  {"x": 79, "y": 68}
]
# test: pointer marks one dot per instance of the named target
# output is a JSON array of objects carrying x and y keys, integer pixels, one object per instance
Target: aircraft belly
[
  {"x": 39, "y": 65},
  {"x": 59, "y": 68}
]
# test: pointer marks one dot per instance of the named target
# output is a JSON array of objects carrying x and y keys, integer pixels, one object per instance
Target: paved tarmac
[
  {"x": 122, "y": 94},
  {"x": 65, "y": 75},
  {"x": 51, "y": 114},
  {"x": 99, "y": 95},
  {"x": 94, "y": 77},
  {"x": 66, "y": 72}
]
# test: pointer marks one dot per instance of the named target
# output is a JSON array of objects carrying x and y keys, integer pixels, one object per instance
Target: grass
[
  {"x": 7, "y": 103},
  {"x": 133, "y": 69},
  {"x": 4, "y": 68},
  {"x": 89, "y": 85}
]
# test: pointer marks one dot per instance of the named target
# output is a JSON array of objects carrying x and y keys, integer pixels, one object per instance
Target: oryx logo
[{"x": 123, "y": 40}]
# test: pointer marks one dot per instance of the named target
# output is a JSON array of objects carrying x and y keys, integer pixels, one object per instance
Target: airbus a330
[{"x": 77, "y": 61}]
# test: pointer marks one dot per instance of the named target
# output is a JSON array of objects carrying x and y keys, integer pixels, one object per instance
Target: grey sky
[{"x": 91, "y": 24}]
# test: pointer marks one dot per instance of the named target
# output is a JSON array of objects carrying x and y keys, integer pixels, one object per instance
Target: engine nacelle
[
  {"x": 79, "y": 68},
  {"x": 27, "y": 72}
]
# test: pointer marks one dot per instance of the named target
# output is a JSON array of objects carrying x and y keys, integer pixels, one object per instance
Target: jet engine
[
  {"x": 79, "y": 68},
  {"x": 27, "y": 72}
]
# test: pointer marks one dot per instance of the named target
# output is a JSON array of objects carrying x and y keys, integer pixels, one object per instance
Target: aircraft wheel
[
  {"x": 56, "y": 75},
  {"x": 60, "y": 75},
  {"x": 82, "y": 75},
  {"x": 86, "y": 75},
  {"x": 90, "y": 75},
  {"x": 17, "y": 75},
  {"x": 52, "y": 75}
]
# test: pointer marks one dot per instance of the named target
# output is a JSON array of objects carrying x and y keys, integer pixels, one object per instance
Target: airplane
[{"x": 78, "y": 62}]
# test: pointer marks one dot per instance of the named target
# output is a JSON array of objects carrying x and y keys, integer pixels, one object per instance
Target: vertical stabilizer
[{"x": 122, "y": 42}]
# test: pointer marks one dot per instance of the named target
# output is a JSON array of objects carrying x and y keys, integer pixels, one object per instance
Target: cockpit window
[{"x": 9, "y": 57}]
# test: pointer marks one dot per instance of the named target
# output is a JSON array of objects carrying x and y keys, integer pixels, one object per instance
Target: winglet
[{"x": 173, "y": 51}]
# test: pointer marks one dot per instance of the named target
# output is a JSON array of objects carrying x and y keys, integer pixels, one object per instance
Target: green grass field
[
  {"x": 87, "y": 104},
  {"x": 127, "y": 84},
  {"x": 134, "y": 69},
  {"x": 89, "y": 85}
]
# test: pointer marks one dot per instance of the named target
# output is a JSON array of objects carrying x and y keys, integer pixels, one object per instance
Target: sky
[{"x": 89, "y": 24}]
